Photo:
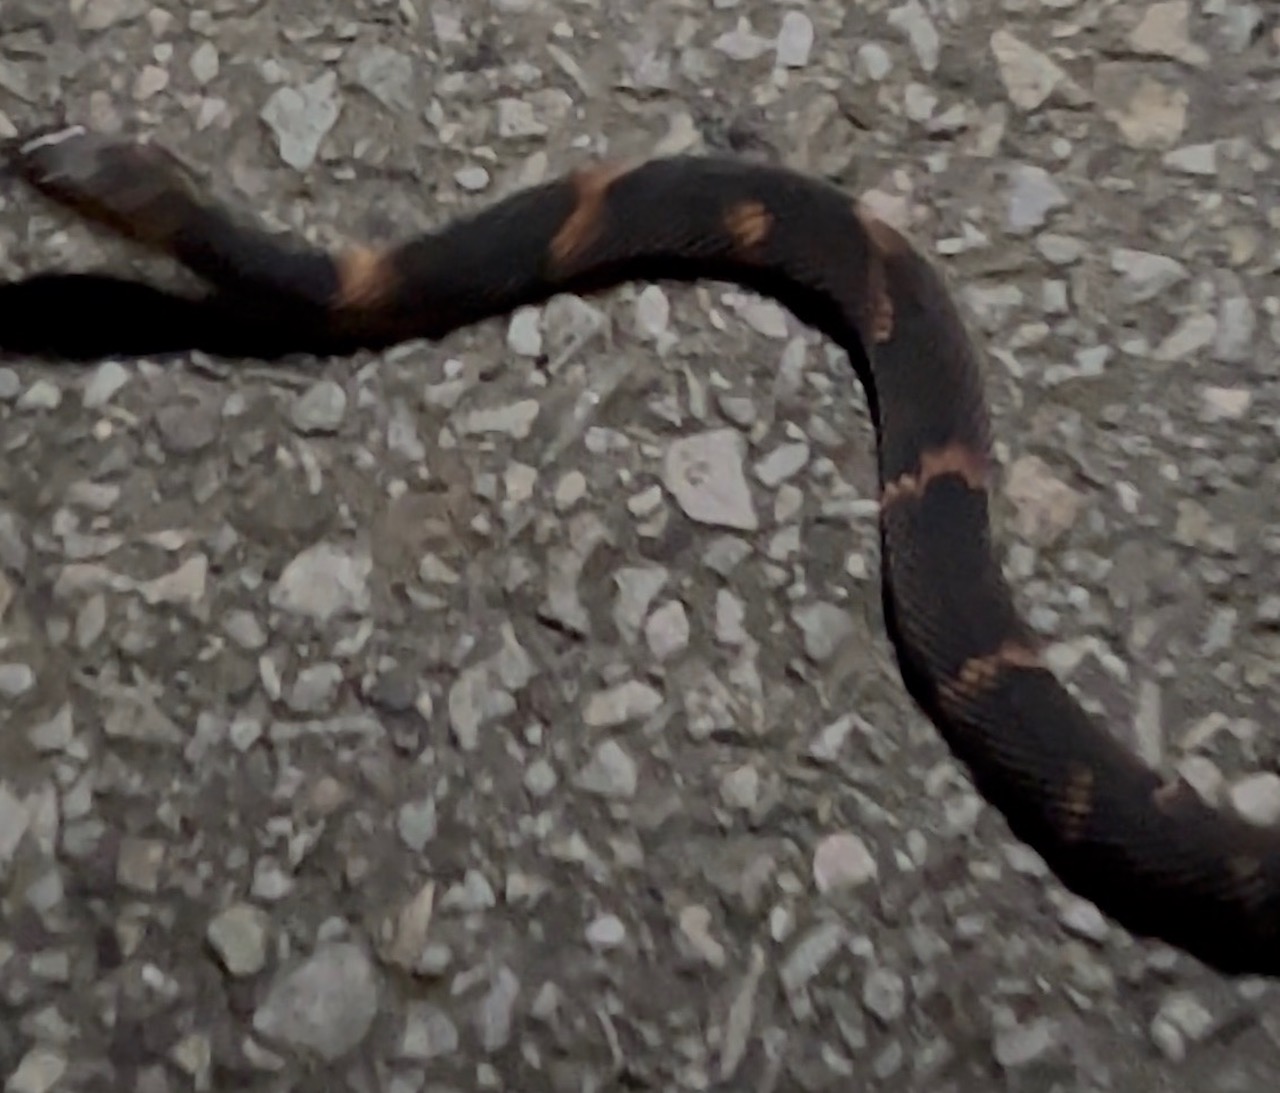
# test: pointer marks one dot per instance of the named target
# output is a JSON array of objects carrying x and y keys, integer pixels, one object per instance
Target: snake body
[{"x": 1149, "y": 852}]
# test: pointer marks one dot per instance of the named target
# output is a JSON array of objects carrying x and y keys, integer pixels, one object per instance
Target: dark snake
[{"x": 1147, "y": 850}]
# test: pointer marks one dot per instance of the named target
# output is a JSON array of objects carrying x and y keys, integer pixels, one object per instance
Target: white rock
[
  {"x": 1029, "y": 76},
  {"x": 841, "y": 861},
  {"x": 1257, "y": 798},
  {"x": 705, "y": 475}
]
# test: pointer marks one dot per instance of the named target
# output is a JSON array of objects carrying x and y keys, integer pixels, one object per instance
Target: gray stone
[
  {"x": 842, "y": 860},
  {"x": 302, "y": 117},
  {"x": 624, "y": 702},
  {"x": 884, "y": 993},
  {"x": 1145, "y": 275},
  {"x": 495, "y": 1011},
  {"x": 319, "y": 409},
  {"x": 610, "y": 772},
  {"x": 428, "y": 1033},
  {"x": 704, "y": 473},
  {"x": 795, "y": 39},
  {"x": 325, "y": 1005},
  {"x": 323, "y": 582},
  {"x": 1032, "y": 195},
  {"x": 825, "y": 628},
  {"x": 1018, "y": 1046},
  {"x": 238, "y": 936}
]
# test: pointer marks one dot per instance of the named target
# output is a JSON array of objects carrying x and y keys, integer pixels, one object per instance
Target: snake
[{"x": 1144, "y": 846}]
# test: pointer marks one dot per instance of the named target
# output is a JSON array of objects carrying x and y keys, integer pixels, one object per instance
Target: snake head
[{"x": 131, "y": 188}]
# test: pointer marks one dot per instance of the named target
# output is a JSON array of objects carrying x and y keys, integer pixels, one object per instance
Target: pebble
[
  {"x": 884, "y": 994},
  {"x": 629, "y": 701},
  {"x": 104, "y": 383},
  {"x": 475, "y": 700},
  {"x": 1144, "y": 275},
  {"x": 1256, "y": 797},
  {"x": 842, "y": 861},
  {"x": 1237, "y": 323},
  {"x": 40, "y": 1070},
  {"x": 1029, "y": 76},
  {"x": 1189, "y": 337},
  {"x": 652, "y": 312},
  {"x": 524, "y": 332},
  {"x": 387, "y": 74},
  {"x": 187, "y": 424},
  {"x": 742, "y": 43},
  {"x": 740, "y": 788},
  {"x": 517, "y": 119},
  {"x": 637, "y": 588},
  {"x": 540, "y": 778},
  {"x": 149, "y": 82},
  {"x": 1225, "y": 403},
  {"x": 140, "y": 863},
  {"x": 428, "y": 1033},
  {"x": 325, "y": 1005},
  {"x": 514, "y": 420},
  {"x": 1163, "y": 32},
  {"x": 57, "y": 734},
  {"x": 824, "y": 627},
  {"x": 1033, "y": 194},
  {"x": 1020, "y": 1045},
  {"x": 1181, "y": 1018},
  {"x": 1193, "y": 159},
  {"x": 101, "y": 14},
  {"x": 795, "y": 40},
  {"x": 323, "y": 582},
  {"x": 784, "y": 462},
  {"x": 610, "y": 772},
  {"x": 41, "y": 395},
  {"x": 1045, "y": 507},
  {"x": 695, "y": 928},
  {"x": 495, "y": 1011},
  {"x": 14, "y": 822},
  {"x": 16, "y": 680},
  {"x": 238, "y": 936},
  {"x": 606, "y": 932},
  {"x": 810, "y": 955},
  {"x": 705, "y": 475},
  {"x": 913, "y": 20},
  {"x": 473, "y": 179},
  {"x": 731, "y": 615},
  {"x": 205, "y": 63},
  {"x": 1147, "y": 113},
  {"x": 1083, "y": 919},
  {"x": 667, "y": 630},
  {"x": 302, "y": 117},
  {"x": 320, "y": 409},
  {"x": 873, "y": 62},
  {"x": 416, "y": 823}
]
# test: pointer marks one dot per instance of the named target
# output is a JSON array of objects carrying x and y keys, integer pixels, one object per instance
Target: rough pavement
[{"x": 515, "y": 713}]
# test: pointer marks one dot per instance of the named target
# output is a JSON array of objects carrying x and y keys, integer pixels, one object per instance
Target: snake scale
[{"x": 1148, "y": 851}]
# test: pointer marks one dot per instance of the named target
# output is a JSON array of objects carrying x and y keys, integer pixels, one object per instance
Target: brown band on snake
[
  {"x": 979, "y": 674},
  {"x": 1161, "y": 862},
  {"x": 366, "y": 279},
  {"x": 749, "y": 223},
  {"x": 1077, "y": 806},
  {"x": 580, "y": 230},
  {"x": 955, "y": 459}
]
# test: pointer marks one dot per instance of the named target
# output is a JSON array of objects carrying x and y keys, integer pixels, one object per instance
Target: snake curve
[{"x": 1149, "y": 852}]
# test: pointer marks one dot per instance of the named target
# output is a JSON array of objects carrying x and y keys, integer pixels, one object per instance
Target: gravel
[{"x": 515, "y": 713}]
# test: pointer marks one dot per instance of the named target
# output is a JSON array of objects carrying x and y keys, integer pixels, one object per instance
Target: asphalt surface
[{"x": 416, "y": 722}]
